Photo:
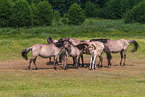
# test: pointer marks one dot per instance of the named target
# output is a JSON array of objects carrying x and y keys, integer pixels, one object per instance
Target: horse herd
[{"x": 65, "y": 47}]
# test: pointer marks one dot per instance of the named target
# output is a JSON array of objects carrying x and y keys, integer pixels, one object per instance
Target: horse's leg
[
  {"x": 124, "y": 57},
  {"x": 121, "y": 53},
  {"x": 30, "y": 62},
  {"x": 77, "y": 58},
  {"x": 94, "y": 62},
  {"x": 50, "y": 60},
  {"x": 55, "y": 59},
  {"x": 34, "y": 61},
  {"x": 109, "y": 63},
  {"x": 82, "y": 60},
  {"x": 101, "y": 60},
  {"x": 90, "y": 63},
  {"x": 73, "y": 61},
  {"x": 65, "y": 63}
]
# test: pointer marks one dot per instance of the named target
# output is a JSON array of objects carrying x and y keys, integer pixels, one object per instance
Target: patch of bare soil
[{"x": 22, "y": 64}]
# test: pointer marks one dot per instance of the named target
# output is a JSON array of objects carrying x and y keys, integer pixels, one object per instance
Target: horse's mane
[
  {"x": 49, "y": 40},
  {"x": 59, "y": 43},
  {"x": 101, "y": 40},
  {"x": 81, "y": 46}
]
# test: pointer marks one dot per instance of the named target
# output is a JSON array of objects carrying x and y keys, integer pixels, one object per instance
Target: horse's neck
[{"x": 74, "y": 41}]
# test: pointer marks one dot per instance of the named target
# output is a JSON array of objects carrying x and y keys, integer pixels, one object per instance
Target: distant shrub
[
  {"x": 75, "y": 14},
  {"x": 22, "y": 14},
  {"x": 116, "y": 9},
  {"x": 35, "y": 13},
  {"x": 65, "y": 19},
  {"x": 6, "y": 13},
  {"x": 45, "y": 15},
  {"x": 56, "y": 16},
  {"x": 90, "y": 9},
  {"x": 136, "y": 14}
]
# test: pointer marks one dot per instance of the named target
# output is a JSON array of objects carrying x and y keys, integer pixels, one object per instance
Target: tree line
[{"x": 25, "y": 13}]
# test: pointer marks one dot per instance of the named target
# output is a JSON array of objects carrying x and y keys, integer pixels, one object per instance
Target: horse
[
  {"x": 44, "y": 51},
  {"x": 74, "y": 51},
  {"x": 76, "y": 42},
  {"x": 50, "y": 40},
  {"x": 96, "y": 48},
  {"x": 117, "y": 46}
]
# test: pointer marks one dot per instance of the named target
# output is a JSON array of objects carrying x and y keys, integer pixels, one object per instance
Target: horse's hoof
[
  {"x": 54, "y": 68},
  {"x": 76, "y": 67},
  {"x": 29, "y": 68}
]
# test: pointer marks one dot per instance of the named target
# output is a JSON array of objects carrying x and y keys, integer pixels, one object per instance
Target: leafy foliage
[
  {"x": 45, "y": 15},
  {"x": 56, "y": 16},
  {"x": 5, "y": 12},
  {"x": 35, "y": 14},
  {"x": 22, "y": 14},
  {"x": 137, "y": 14},
  {"x": 76, "y": 16},
  {"x": 90, "y": 9}
]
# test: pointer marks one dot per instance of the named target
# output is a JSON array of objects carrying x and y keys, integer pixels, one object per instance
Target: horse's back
[{"x": 45, "y": 50}]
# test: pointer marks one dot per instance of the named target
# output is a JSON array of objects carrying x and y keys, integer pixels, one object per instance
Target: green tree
[
  {"x": 56, "y": 17},
  {"x": 35, "y": 14},
  {"x": 61, "y": 5},
  {"x": 22, "y": 14},
  {"x": 45, "y": 13},
  {"x": 6, "y": 12},
  {"x": 116, "y": 9},
  {"x": 90, "y": 9},
  {"x": 136, "y": 14},
  {"x": 76, "y": 15}
]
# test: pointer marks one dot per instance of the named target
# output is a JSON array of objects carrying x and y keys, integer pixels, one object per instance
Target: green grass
[{"x": 117, "y": 81}]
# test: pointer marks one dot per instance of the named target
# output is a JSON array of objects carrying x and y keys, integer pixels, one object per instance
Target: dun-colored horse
[
  {"x": 76, "y": 42},
  {"x": 73, "y": 51},
  {"x": 45, "y": 51},
  {"x": 120, "y": 45}
]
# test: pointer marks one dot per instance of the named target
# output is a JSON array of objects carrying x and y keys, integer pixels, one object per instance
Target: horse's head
[
  {"x": 50, "y": 40},
  {"x": 67, "y": 46},
  {"x": 86, "y": 49}
]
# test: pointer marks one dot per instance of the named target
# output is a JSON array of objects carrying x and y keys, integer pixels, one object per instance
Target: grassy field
[{"x": 17, "y": 81}]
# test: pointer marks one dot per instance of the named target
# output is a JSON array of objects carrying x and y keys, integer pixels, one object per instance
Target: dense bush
[
  {"x": 116, "y": 9},
  {"x": 35, "y": 13},
  {"x": 90, "y": 9},
  {"x": 45, "y": 13},
  {"x": 137, "y": 14},
  {"x": 22, "y": 14},
  {"x": 5, "y": 12},
  {"x": 56, "y": 16},
  {"x": 76, "y": 16}
]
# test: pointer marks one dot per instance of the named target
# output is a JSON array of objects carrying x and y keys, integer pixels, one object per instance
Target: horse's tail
[
  {"x": 108, "y": 52},
  {"x": 135, "y": 45},
  {"x": 24, "y": 53}
]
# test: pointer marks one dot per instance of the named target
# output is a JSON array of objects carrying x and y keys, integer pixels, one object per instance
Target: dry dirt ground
[{"x": 22, "y": 64}]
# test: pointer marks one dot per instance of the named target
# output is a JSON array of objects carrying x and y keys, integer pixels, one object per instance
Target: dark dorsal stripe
[{"x": 101, "y": 40}]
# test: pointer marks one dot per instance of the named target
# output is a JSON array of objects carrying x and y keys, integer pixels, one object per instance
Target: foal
[{"x": 96, "y": 49}]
